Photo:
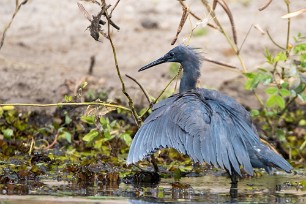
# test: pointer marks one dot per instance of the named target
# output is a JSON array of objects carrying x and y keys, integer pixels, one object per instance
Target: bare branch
[
  {"x": 220, "y": 63},
  {"x": 92, "y": 64},
  {"x": 225, "y": 7},
  {"x": 141, "y": 87},
  {"x": 66, "y": 104},
  {"x": 245, "y": 38},
  {"x": 265, "y": 5},
  {"x": 114, "y": 7},
  {"x": 275, "y": 43},
  {"x": 18, "y": 6},
  {"x": 53, "y": 143},
  {"x": 130, "y": 101},
  {"x": 182, "y": 22}
]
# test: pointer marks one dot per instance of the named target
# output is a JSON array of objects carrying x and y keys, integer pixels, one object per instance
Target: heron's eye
[{"x": 171, "y": 54}]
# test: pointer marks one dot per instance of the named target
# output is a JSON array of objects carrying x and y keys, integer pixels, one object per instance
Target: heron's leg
[
  {"x": 153, "y": 161},
  {"x": 234, "y": 184},
  {"x": 234, "y": 179}
]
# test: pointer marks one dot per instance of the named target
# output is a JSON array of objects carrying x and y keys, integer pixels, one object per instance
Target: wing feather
[{"x": 200, "y": 125}]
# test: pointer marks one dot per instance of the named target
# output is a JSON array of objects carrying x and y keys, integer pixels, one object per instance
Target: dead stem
[
  {"x": 9, "y": 24},
  {"x": 233, "y": 46},
  {"x": 245, "y": 38},
  {"x": 220, "y": 63},
  {"x": 53, "y": 142},
  {"x": 288, "y": 26},
  {"x": 67, "y": 104},
  {"x": 92, "y": 64},
  {"x": 225, "y": 7},
  {"x": 116, "y": 4},
  {"x": 130, "y": 101},
  {"x": 272, "y": 40},
  {"x": 141, "y": 87},
  {"x": 265, "y": 5},
  {"x": 182, "y": 22}
]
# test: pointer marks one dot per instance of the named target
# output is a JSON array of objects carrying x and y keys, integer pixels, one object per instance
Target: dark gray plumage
[{"x": 204, "y": 124}]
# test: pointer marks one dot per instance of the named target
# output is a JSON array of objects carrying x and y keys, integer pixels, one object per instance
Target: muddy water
[{"x": 279, "y": 188}]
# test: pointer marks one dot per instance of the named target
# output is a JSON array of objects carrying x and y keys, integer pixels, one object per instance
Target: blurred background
[{"x": 47, "y": 50}]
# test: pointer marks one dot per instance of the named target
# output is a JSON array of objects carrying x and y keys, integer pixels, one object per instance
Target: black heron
[{"x": 204, "y": 124}]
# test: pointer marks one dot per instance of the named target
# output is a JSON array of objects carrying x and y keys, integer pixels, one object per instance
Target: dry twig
[
  {"x": 220, "y": 63},
  {"x": 67, "y": 104},
  {"x": 273, "y": 41},
  {"x": 141, "y": 87},
  {"x": 225, "y": 7},
  {"x": 182, "y": 22},
  {"x": 18, "y": 6},
  {"x": 265, "y": 5},
  {"x": 130, "y": 101},
  {"x": 116, "y": 4}
]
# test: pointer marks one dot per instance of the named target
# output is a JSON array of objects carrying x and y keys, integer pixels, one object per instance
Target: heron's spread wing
[{"x": 206, "y": 129}]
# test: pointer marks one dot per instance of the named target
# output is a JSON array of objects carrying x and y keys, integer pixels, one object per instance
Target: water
[{"x": 279, "y": 188}]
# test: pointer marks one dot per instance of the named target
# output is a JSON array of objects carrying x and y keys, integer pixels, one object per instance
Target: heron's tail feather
[{"x": 273, "y": 159}]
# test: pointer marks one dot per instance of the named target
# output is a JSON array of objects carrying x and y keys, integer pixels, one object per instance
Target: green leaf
[
  {"x": 113, "y": 123},
  {"x": 280, "y": 101},
  {"x": 126, "y": 138},
  {"x": 303, "y": 57},
  {"x": 67, "y": 136},
  {"x": 89, "y": 119},
  {"x": 8, "y": 133},
  {"x": 108, "y": 138},
  {"x": 200, "y": 32},
  {"x": 284, "y": 92},
  {"x": 254, "y": 113},
  {"x": 103, "y": 121},
  {"x": 89, "y": 137},
  {"x": 84, "y": 84},
  {"x": 302, "y": 122},
  {"x": 98, "y": 144},
  {"x": 7, "y": 108},
  {"x": 299, "y": 48},
  {"x": 255, "y": 78},
  {"x": 68, "y": 98},
  {"x": 20, "y": 125},
  {"x": 281, "y": 56},
  {"x": 275, "y": 100},
  {"x": 270, "y": 101},
  {"x": 302, "y": 96},
  {"x": 271, "y": 90},
  {"x": 270, "y": 113},
  {"x": 67, "y": 119},
  {"x": 280, "y": 135},
  {"x": 285, "y": 85},
  {"x": 60, "y": 129},
  {"x": 107, "y": 135},
  {"x": 250, "y": 75},
  {"x": 269, "y": 56}
]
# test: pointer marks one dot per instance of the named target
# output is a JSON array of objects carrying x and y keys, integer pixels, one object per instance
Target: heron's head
[{"x": 181, "y": 54}]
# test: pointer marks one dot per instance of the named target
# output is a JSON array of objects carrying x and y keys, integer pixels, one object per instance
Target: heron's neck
[{"x": 191, "y": 74}]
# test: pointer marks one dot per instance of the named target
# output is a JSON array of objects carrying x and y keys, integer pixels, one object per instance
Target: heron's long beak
[{"x": 152, "y": 64}]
